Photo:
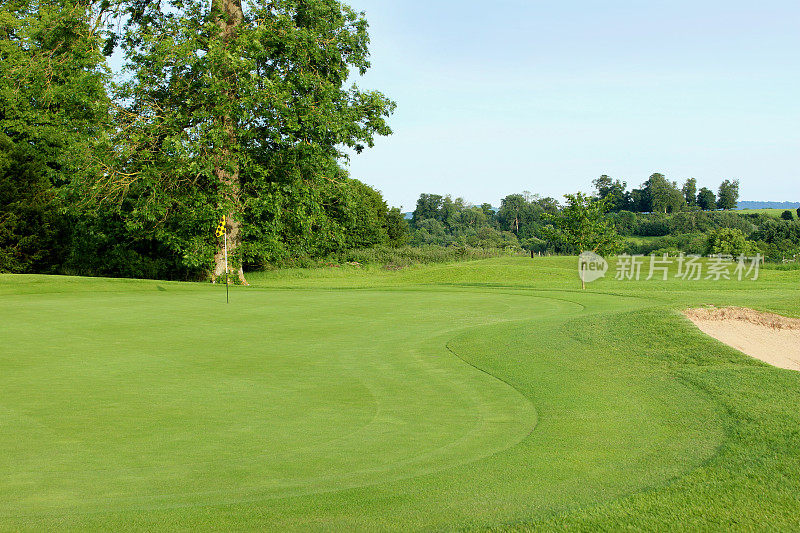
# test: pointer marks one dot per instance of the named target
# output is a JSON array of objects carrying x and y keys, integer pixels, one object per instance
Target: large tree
[
  {"x": 706, "y": 199},
  {"x": 53, "y": 109},
  {"x": 663, "y": 195},
  {"x": 614, "y": 191},
  {"x": 429, "y": 206},
  {"x": 690, "y": 191},
  {"x": 241, "y": 111},
  {"x": 511, "y": 212},
  {"x": 728, "y": 196},
  {"x": 582, "y": 225}
]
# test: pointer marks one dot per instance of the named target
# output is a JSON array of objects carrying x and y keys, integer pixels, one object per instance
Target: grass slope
[
  {"x": 488, "y": 394},
  {"x": 776, "y": 213}
]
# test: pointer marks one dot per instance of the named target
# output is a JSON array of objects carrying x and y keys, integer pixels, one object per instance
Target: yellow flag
[{"x": 221, "y": 227}]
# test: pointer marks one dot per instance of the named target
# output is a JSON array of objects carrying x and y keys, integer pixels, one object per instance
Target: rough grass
[
  {"x": 403, "y": 256},
  {"x": 479, "y": 395},
  {"x": 769, "y": 212},
  {"x": 395, "y": 258}
]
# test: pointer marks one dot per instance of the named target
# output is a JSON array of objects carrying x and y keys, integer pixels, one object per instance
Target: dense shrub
[
  {"x": 625, "y": 222},
  {"x": 431, "y": 231},
  {"x": 33, "y": 232},
  {"x": 410, "y": 255},
  {"x": 730, "y": 241},
  {"x": 488, "y": 237},
  {"x": 653, "y": 226},
  {"x": 689, "y": 243},
  {"x": 537, "y": 245}
]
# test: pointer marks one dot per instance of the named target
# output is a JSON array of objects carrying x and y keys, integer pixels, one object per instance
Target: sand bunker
[{"x": 772, "y": 338}]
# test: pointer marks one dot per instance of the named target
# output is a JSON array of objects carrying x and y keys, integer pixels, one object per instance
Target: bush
[
  {"x": 730, "y": 241},
  {"x": 411, "y": 255},
  {"x": 653, "y": 226},
  {"x": 488, "y": 237},
  {"x": 689, "y": 243},
  {"x": 537, "y": 245},
  {"x": 787, "y": 215},
  {"x": 625, "y": 222}
]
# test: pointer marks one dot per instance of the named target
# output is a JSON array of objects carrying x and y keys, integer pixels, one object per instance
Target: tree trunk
[
  {"x": 232, "y": 228},
  {"x": 229, "y": 16}
]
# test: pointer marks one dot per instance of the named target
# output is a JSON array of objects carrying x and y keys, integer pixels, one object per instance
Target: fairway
[{"x": 482, "y": 394}]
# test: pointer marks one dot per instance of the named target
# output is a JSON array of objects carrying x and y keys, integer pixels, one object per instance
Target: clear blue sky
[{"x": 509, "y": 95}]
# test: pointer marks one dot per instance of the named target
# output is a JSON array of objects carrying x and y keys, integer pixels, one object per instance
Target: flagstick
[{"x": 227, "y": 299}]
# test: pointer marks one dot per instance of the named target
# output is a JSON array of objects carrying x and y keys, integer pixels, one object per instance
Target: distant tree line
[
  {"x": 657, "y": 217},
  {"x": 660, "y": 195},
  {"x": 518, "y": 222}
]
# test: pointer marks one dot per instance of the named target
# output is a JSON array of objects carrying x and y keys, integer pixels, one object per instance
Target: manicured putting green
[{"x": 149, "y": 404}]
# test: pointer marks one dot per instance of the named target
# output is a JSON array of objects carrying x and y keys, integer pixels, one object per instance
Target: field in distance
[
  {"x": 776, "y": 213},
  {"x": 485, "y": 394}
]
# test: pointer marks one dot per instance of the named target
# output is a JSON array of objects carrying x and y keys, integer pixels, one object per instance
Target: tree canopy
[
  {"x": 242, "y": 110},
  {"x": 706, "y": 199},
  {"x": 53, "y": 109},
  {"x": 243, "y": 113},
  {"x": 690, "y": 191},
  {"x": 582, "y": 226},
  {"x": 728, "y": 196}
]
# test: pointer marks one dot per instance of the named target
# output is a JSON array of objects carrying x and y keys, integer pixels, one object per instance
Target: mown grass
[{"x": 490, "y": 394}]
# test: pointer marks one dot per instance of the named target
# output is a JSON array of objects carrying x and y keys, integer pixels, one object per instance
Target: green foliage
[
  {"x": 706, "y": 199},
  {"x": 688, "y": 243},
  {"x": 787, "y": 215},
  {"x": 443, "y": 221},
  {"x": 625, "y": 222},
  {"x": 429, "y": 206},
  {"x": 729, "y": 241},
  {"x": 689, "y": 191},
  {"x": 491, "y": 217},
  {"x": 778, "y": 239},
  {"x": 490, "y": 238},
  {"x": 404, "y": 256},
  {"x": 525, "y": 215},
  {"x": 53, "y": 109},
  {"x": 728, "y": 195},
  {"x": 250, "y": 122},
  {"x": 663, "y": 195},
  {"x": 656, "y": 225},
  {"x": 397, "y": 228},
  {"x": 513, "y": 209},
  {"x": 659, "y": 195},
  {"x": 614, "y": 192},
  {"x": 582, "y": 226},
  {"x": 101, "y": 246},
  {"x": 32, "y": 233},
  {"x": 455, "y": 215},
  {"x": 301, "y": 219}
]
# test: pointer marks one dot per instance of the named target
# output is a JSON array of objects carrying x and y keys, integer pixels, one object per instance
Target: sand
[{"x": 771, "y": 338}]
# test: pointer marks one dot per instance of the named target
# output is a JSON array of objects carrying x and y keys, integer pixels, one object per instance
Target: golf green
[{"x": 367, "y": 400}]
